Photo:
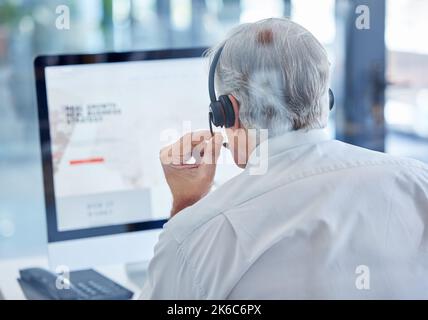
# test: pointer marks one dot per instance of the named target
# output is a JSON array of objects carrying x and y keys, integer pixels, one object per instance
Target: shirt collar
[{"x": 289, "y": 140}]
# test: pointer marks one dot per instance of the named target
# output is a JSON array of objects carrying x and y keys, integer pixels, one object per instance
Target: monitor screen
[{"x": 107, "y": 123}]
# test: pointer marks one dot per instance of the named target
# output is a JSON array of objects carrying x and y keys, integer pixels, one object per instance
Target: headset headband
[{"x": 211, "y": 75}]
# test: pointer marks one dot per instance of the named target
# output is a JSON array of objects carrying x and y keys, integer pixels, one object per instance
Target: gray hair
[{"x": 279, "y": 73}]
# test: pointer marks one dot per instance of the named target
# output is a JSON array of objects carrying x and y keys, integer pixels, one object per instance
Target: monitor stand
[{"x": 137, "y": 272}]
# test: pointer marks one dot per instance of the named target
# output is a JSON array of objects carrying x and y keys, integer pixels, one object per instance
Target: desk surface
[{"x": 9, "y": 272}]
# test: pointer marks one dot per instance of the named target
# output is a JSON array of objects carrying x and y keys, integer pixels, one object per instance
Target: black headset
[{"x": 221, "y": 113}]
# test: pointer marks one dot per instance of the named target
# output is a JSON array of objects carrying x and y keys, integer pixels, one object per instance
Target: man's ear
[{"x": 235, "y": 105}]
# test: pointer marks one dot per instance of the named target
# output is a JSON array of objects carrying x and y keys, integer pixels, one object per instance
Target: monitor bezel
[{"x": 40, "y": 64}]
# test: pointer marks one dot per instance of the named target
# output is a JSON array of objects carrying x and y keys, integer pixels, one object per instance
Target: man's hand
[{"x": 189, "y": 182}]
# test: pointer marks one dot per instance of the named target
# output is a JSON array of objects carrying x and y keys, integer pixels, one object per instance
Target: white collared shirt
[{"x": 328, "y": 220}]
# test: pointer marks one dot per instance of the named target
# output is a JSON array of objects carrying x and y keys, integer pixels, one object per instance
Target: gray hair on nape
[{"x": 279, "y": 73}]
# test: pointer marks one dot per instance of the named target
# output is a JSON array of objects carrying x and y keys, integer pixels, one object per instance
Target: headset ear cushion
[
  {"x": 217, "y": 113},
  {"x": 229, "y": 113}
]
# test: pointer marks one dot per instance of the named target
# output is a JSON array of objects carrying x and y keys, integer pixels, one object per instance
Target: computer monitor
[{"x": 103, "y": 119}]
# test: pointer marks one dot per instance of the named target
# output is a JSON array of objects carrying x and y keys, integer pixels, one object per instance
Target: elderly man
[{"x": 325, "y": 220}]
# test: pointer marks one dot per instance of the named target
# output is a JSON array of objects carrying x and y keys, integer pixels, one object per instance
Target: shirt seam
[
  {"x": 306, "y": 175},
  {"x": 196, "y": 284}
]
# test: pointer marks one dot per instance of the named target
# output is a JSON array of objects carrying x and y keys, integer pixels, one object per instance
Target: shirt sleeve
[{"x": 169, "y": 274}]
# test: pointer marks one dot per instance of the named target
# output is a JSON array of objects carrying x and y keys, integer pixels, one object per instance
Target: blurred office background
[{"x": 379, "y": 75}]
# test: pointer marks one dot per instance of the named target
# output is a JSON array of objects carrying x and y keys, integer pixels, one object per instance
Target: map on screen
[{"x": 108, "y": 122}]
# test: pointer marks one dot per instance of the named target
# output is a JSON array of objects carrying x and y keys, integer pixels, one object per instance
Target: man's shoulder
[
  {"x": 189, "y": 220},
  {"x": 212, "y": 211},
  {"x": 344, "y": 152},
  {"x": 208, "y": 210}
]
